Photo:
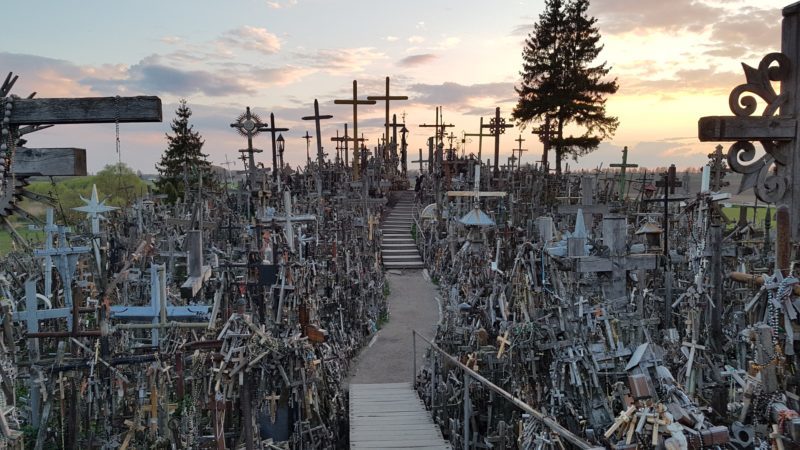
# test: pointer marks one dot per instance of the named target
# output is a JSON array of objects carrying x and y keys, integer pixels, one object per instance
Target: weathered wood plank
[
  {"x": 86, "y": 110},
  {"x": 50, "y": 161},
  {"x": 732, "y": 128}
]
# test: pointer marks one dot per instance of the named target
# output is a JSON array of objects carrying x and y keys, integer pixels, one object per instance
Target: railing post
[
  {"x": 414, "y": 357},
  {"x": 466, "y": 410}
]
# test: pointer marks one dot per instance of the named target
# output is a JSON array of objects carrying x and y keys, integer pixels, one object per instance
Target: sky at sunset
[{"x": 675, "y": 61}]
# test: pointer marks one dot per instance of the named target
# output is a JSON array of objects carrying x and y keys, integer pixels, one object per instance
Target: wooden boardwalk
[{"x": 391, "y": 416}]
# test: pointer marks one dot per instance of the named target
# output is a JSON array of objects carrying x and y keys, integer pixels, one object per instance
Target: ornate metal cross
[
  {"x": 497, "y": 125},
  {"x": 775, "y": 175}
]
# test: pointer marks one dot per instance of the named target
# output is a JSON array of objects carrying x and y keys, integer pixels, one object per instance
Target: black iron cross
[
  {"x": 272, "y": 130},
  {"x": 497, "y": 125}
]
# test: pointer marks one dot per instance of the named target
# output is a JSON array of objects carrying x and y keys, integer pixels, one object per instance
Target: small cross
[
  {"x": 439, "y": 128},
  {"x": 480, "y": 137},
  {"x": 624, "y": 165},
  {"x": 308, "y": 138},
  {"x": 519, "y": 149},
  {"x": 503, "y": 341},
  {"x": 420, "y": 161},
  {"x": 94, "y": 209}
]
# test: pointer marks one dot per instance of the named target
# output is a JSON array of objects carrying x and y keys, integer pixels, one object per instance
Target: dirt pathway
[{"x": 412, "y": 305}]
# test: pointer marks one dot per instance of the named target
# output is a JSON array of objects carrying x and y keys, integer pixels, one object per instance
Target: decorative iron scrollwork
[{"x": 765, "y": 174}]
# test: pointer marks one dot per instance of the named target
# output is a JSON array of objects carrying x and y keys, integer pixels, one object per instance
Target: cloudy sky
[{"x": 675, "y": 61}]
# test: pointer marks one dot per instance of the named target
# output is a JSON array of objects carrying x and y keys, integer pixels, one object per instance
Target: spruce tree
[
  {"x": 560, "y": 82},
  {"x": 183, "y": 162}
]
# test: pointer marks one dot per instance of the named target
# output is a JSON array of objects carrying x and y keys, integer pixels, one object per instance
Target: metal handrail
[{"x": 550, "y": 423}]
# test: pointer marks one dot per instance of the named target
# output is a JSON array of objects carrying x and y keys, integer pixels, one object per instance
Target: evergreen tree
[
  {"x": 182, "y": 163},
  {"x": 559, "y": 82}
]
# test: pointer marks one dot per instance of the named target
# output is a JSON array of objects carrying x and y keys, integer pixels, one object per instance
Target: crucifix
[
  {"x": 545, "y": 132},
  {"x": 519, "y": 149},
  {"x": 480, "y": 135},
  {"x": 622, "y": 166},
  {"x": 394, "y": 126},
  {"x": 316, "y": 118},
  {"x": 249, "y": 125},
  {"x": 308, "y": 138},
  {"x": 497, "y": 125},
  {"x": 272, "y": 130},
  {"x": 355, "y": 102},
  {"x": 776, "y": 174},
  {"x": 718, "y": 169},
  {"x": 387, "y": 98},
  {"x": 439, "y": 128},
  {"x": 420, "y": 161}
]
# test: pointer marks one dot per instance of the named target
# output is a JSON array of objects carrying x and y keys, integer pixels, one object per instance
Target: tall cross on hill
[
  {"x": 355, "y": 102},
  {"x": 272, "y": 130},
  {"x": 480, "y": 135},
  {"x": 497, "y": 125},
  {"x": 520, "y": 150},
  {"x": 439, "y": 128},
  {"x": 387, "y": 98},
  {"x": 249, "y": 125},
  {"x": 308, "y": 138},
  {"x": 316, "y": 118},
  {"x": 622, "y": 166}
]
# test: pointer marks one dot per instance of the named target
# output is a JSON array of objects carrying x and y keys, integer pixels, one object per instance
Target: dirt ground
[{"x": 412, "y": 305}]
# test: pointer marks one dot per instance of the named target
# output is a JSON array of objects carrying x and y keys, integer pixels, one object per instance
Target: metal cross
[
  {"x": 497, "y": 125},
  {"x": 439, "y": 128}
]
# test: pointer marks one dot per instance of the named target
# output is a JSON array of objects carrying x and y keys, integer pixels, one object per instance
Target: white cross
[{"x": 94, "y": 208}]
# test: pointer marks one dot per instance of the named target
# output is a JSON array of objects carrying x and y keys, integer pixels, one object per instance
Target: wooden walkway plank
[{"x": 391, "y": 416}]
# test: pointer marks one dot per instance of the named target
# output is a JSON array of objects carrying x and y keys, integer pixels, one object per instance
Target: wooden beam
[
  {"x": 57, "y": 162},
  {"x": 57, "y": 111},
  {"x": 731, "y": 128}
]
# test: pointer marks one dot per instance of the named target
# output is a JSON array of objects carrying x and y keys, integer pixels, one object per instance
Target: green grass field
[
  {"x": 6, "y": 240},
  {"x": 732, "y": 213}
]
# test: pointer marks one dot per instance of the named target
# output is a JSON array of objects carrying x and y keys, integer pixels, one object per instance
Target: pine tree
[
  {"x": 559, "y": 82},
  {"x": 182, "y": 163}
]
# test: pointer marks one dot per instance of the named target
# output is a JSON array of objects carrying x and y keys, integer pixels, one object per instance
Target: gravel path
[{"x": 412, "y": 305}]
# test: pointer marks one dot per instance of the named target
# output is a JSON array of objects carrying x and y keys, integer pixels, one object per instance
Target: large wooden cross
[
  {"x": 480, "y": 135},
  {"x": 355, "y": 102},
  {"x": 25, "y": 115},
  {"x": 439, "y": 127},
  {"x": 776, "y": 174},
  {"x": 316, "y": 118},
  {"x": 622, "y": 166},
  {"x": 272, "y": 129},
  {"x": 497, "y": 125},
  {"x": 387, "y": 98}
]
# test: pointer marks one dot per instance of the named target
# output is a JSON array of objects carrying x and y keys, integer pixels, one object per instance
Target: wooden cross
[
  {"x": 420, "y": 161},
  {"x": 668, "y": 182},
  {"x": 439, "y": 128},
  {"x": 618, "y": 263},
  {"x": 308, "y": 138},
  {"x": 249, "y": 125},
  {"x": 288, "y": 218},
  {"x": 394, "y": 126},
  {"x": 587, "y": 205},
  {"x": 545, "y": 132},
  {"x": 519, "y": 149},
  {"x": 776, "y": 129},
  {"x": 316, "y": 118},
  {"x": 272, "y": 130},
  {"x": 622, "y": 166},
  {"x": 387, "y": 98},
  {"x": 693, "y": 347},
  {"x": 503, "y": 341},
  {"x": 718, "y": 169},
  {"x": 355, "y": 102},
  {"x": 25, "y": 115},
  {"x": 480, "y": 137},
  {"x": 497, "y": 125},
  {"x": 338, "y": 141},
  {"x": 199, "y": 273}
]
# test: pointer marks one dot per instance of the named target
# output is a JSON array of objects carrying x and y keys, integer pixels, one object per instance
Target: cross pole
[
  {"x": 355, "y": 102},
  {"x": 272, "y": 130},
  {"x": 420, "y": 161},
  {"x": 308, "y": 138},
  {"x": 387, "y": 98},
  {"x": 622, "y": 166},
  {"x": 341, "y": 139},
  {"x": 520, "y": 150},
  {"x": 480, "y": 136},
  {"x": 497, "y": 126},
  {"x": 316, "y": 118},
  {"x": 439, "y": 128}
]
